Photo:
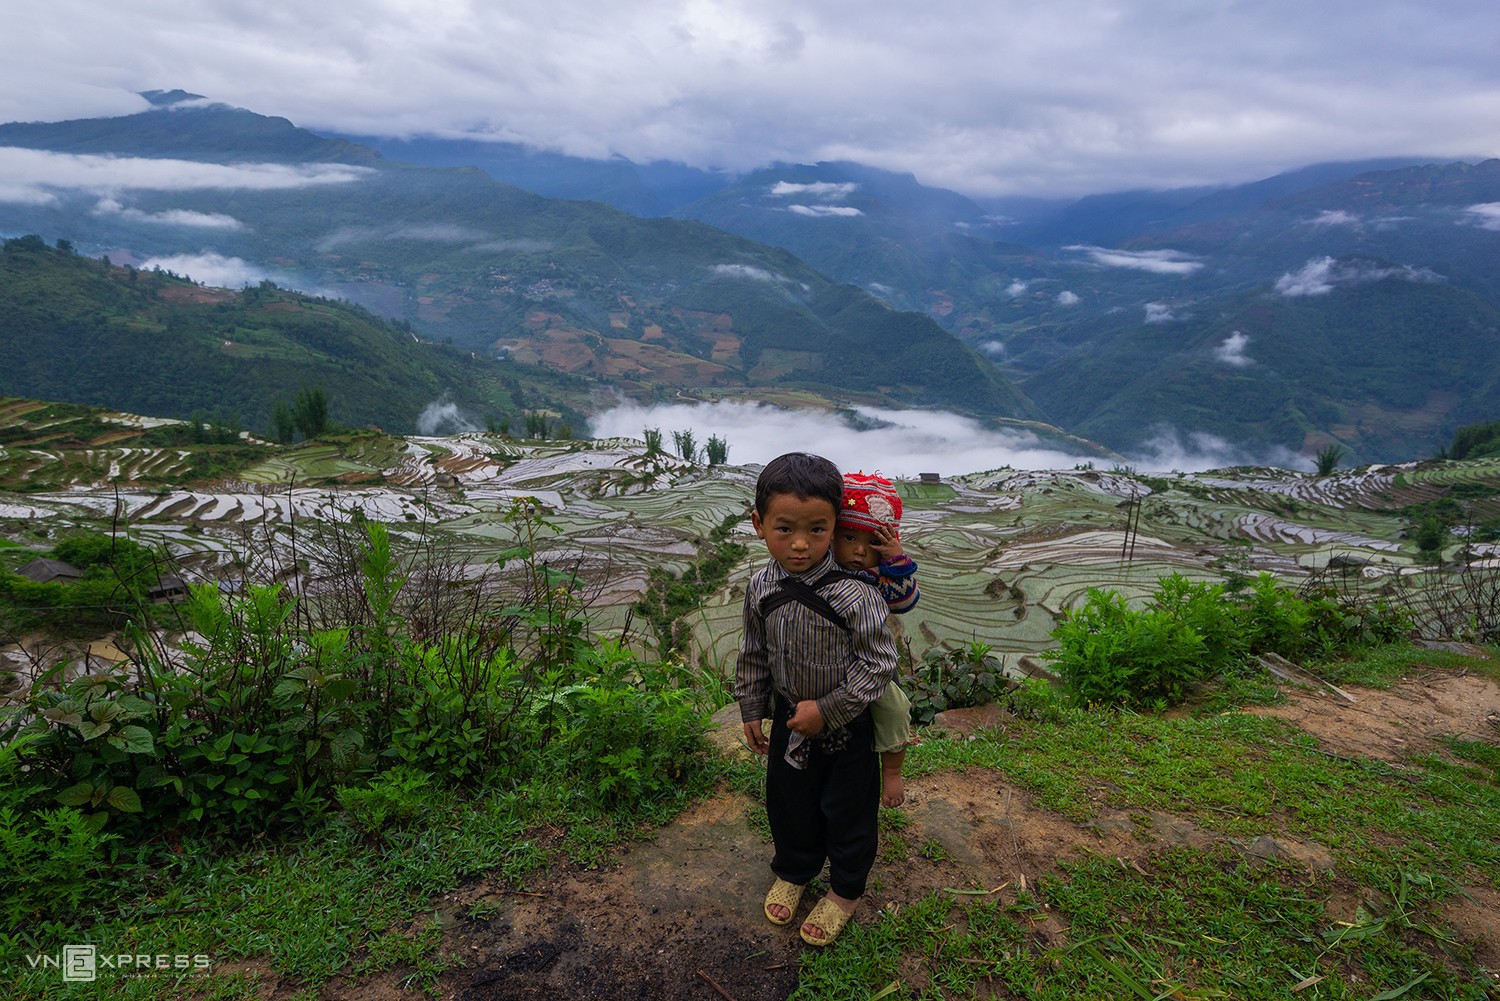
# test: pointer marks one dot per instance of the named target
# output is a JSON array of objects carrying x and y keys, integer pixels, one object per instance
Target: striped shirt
[{"x": 804, "y": 656}]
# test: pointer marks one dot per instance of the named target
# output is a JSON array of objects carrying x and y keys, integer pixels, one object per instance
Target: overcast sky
[{"x": 984, "y": 96}]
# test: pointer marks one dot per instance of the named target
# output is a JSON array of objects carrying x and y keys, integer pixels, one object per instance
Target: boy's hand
[
  {"x": 807, "y": 720},
  {"x": 756, "y": 737},
  {"x": 886, "y": 542}
]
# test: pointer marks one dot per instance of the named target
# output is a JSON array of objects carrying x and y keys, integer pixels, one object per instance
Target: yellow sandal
[
  {"x": 828, "y": 916},
  {"x": 788, "y": 895}
]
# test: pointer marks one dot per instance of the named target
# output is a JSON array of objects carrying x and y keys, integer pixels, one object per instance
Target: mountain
[
  {"x": 84, "y": 331},
  {"x": 581, "y": 288},
  {"x": 650, "y": 189},
  {"x": 1364, "y": 311},
  {"x": 178, "y": 126},
  {"x": 1114, "y": 316}
]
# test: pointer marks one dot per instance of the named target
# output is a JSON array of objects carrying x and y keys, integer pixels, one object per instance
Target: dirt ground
[{"x": 679, "y": 916}]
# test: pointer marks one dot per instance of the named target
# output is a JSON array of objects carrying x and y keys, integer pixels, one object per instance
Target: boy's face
[
  {"x": 853, "y": 548},
  {"x": 797, "y": 531}
]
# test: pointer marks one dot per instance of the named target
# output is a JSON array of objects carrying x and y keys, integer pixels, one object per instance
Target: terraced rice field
[{"x": 1003, "y": 553}]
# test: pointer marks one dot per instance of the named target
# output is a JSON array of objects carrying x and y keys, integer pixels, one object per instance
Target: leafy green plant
[
  {"x": 392, "y": 798},
  {"x": 1111, "y": 653},
  {"x": 954, "y": 679},
  {"x": 48, "y": 861}
]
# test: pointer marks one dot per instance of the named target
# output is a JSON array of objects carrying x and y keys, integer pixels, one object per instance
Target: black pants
[{"x": 828, "y": 810}]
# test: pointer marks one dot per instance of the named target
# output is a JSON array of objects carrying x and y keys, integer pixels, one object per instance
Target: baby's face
[{"x": 854, "y": 548}]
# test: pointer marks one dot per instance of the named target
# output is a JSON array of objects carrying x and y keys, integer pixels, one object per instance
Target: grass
[
  {"x": 1189, "y": 924},
  {"x": 362, "y": 903}
]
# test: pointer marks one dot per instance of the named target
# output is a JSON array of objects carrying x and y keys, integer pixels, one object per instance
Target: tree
[
  {"x": 653, "y": 441},
  {"x": 1431, "y": 535},
  {"x": 283, "y": 424},
  {"x": 1328, "y": 459},
  {"x": 686, "y": 443},
  {"x": 718, "y": 450},
  {"x": 311, "y": 411}
]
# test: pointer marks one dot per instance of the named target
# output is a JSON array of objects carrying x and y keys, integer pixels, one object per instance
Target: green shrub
[
  {"x": 48, "y": 859},
  {"x": 458, "y": 718},
  {"x": 619, "y": 742},
  {"x": 1209, "y": 610},
  {"x": 1111, "y": 653},
  {"x": 1189, "y": 632}
]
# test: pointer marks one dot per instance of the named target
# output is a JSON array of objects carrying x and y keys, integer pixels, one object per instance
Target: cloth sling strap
[{"x": 792, "y": 589}]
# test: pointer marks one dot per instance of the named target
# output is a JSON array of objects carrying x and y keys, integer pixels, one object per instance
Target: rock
[
  {"x": 1310, "y": 854},
  {"x": 964, "y": 721},
  {"x": 727, "y": 734}
]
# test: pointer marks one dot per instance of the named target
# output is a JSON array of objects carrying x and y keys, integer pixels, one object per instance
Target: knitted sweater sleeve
[{"x": 897, "y": 583}]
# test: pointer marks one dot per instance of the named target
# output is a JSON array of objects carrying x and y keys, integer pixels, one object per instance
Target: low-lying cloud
[
  {"x": 909, "y": 443},
  {"x": 33, "y": 176},
  {"x": 747, "y": 271},
  {"x": 906, "y": 442},
  {"x": 1066, "y": 298},
  {"x": 443, "y": 416},
  {"x": 209, "y": 268},
  {"x": 1322, "y": 275},
  {"x": 1168, "y": 448},
  {"x": 1231, "y": 351},
  {"x": 1160, "y": 262},
  {"x": 1486, "y": 215},
  {"x": 1334, "y": 217},
  {"x": 825, "y": 190},
  {"x": 825, "y": 211},
  {"x": 171, "y": 217},
  {"x": 1159, "y": 312},
  {"x": 448, "y": 233}
]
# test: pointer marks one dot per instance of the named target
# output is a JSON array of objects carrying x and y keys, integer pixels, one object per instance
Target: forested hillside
[
  {"x": 577, "y": 287},
  {"x": 84, "y": 331}
]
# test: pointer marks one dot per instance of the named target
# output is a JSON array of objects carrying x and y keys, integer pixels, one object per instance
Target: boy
[
  {"x": 868, "y": 539},
  {"x": 814, "y": 675}
]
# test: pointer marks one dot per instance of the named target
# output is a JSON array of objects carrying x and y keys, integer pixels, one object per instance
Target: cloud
[
  {"x": 908, "y": 442},
  {"x": 171, "y": 217},
  {"x": 995, "y": 349},
  {"x": 1168, "y": 448},
  {"x": 407, "y": 231},
  {"x": 747, "y": 271},
  {"x": 824, "y": 211},
  {"x": 38, "y": 173},
  {"x": 1157, "y": 312},
  {"x": 1486, "y": 215},
  {"x": 1334, "y": 217},
  {"x": 209, "y": 268},
  {"x": 442, "y": 416},
  {"x": 988, "y": 99},
  {"x": 1231, "y": 351},
  {"x": 1015, "y": 289},
  {"x": 825, "y": 190},
  {"x": 1320, "y": 275},
  {"x": 1161, "y": 262},
  {"x": 1066, "y": 298}
]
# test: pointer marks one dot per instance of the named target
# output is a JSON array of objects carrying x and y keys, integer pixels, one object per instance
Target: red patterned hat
[{"x": 870, "y": 502}]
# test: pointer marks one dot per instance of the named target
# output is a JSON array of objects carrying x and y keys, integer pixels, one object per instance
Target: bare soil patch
[{"x": 1391, "y": 725}]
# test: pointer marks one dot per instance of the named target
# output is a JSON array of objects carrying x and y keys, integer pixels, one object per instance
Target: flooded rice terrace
[{"x": 1002, "y": 552}]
